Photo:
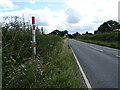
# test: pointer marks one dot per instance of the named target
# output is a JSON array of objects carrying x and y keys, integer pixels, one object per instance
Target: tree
[
  {"x": 108, "y": 26},
  {"x": 76, "y": 34},
  {"x": 87, "y": 33},
  {"x": 56, "y": 32},
  {"x": 70, "y": 36},
  {"x": 64, "y": 33},
  {"x": 60, "y": 33}
]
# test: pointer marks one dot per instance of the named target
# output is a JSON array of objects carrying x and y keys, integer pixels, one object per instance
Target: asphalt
[{"x": 99, "y": 63}]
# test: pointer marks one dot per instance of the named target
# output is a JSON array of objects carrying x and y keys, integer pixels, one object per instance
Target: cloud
[
  {"x": 32, "y": 2},
  {"x": 7, "y": 4},
  {"x": 41, "y": 22},
  {"x": 77, "y": 16},
  {"x": 39, "y": 0},
  {"x": 92, "y": 13},
  {"x": 45, "y": 17},
  {"x": 73, "y": 16}
]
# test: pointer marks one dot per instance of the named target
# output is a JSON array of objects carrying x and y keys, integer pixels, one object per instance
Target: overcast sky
[{"x": 72, "y": 15}]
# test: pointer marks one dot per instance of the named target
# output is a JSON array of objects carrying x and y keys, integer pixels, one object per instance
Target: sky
[{"x": 72, "y": 15}]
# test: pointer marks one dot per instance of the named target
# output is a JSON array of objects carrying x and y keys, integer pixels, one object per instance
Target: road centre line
[
  {"x": 96, "y": 48},
  {"x": 117, "y": 56},
  {"x": 102, "y": 50}
]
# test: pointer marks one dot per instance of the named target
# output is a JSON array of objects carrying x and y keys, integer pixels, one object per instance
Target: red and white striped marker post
[{"x": 33, "y": 33}]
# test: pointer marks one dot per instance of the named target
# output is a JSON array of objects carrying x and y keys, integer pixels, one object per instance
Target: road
[{"x": 99, "y": 63}]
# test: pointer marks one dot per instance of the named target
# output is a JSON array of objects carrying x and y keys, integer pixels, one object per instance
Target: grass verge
[
  {"x": 115, "y": 45},
  {"x": 62, "y": 69}
]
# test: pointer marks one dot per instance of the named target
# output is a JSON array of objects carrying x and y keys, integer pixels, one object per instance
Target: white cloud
[
  {"x": 47, "y": 18},
  {"x": 32, "y": 2},
  {"x": 78, "y": 16},
  {"x": 7, "y": 4},
  {"x": 73, "y": 16},
  {"x": 39, "y": 0},
  {"x": 94, "y": 12}
]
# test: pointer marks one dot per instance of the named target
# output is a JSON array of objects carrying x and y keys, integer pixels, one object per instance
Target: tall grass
[
  {"x": 53, "y": 66},
  {"x": 110, "y": 39}
]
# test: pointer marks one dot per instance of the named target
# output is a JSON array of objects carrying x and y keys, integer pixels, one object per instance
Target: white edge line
[{"x": 83, "y": 74}]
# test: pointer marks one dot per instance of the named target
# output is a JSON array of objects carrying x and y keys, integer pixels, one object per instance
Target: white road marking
[
  {"x": 96, "y": 49},
  {"x": 117, "y": 56},
  {"x": 83, "y": 74}
]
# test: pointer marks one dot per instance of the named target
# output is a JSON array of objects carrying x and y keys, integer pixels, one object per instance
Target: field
[{"x": 54, "y": 65}]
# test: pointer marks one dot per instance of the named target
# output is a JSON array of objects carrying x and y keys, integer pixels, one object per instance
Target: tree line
[
  {"x": 19, "y": 23},
  {"x": 108, "y": 26}
]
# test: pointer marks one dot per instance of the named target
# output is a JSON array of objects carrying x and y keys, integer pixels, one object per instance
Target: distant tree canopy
[
  {"x": 60, "y": 33},
  {"x": 108, "y": 26},
  {"x": 87, "y": 33},
  {"x": 76, "y": 34}
]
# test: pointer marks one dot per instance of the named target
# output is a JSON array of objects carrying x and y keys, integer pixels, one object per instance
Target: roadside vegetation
[
  {"x": 109, "y": 39},
  {"x": 107, "y": 34},
  {"x": 54, "y": 65}
]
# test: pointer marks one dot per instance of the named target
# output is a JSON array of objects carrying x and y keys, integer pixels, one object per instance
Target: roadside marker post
[{"x": 34, "y": 35}]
